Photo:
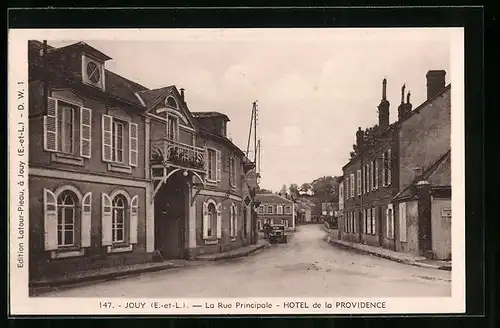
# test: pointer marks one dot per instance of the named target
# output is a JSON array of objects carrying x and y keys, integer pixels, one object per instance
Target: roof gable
[{"x": 167, "y": 100}]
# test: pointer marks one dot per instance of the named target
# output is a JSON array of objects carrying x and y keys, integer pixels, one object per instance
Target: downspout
[{"x": 45, "y": 77}]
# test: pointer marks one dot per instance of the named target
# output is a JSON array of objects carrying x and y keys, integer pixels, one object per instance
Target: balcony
[{"x": 173, "y": 153}]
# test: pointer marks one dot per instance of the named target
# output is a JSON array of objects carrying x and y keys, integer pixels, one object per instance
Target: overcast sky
[{"x": 313, "y": 87}]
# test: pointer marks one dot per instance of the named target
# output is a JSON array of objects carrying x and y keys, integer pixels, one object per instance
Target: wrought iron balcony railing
[{"x": 166, "y": 151}]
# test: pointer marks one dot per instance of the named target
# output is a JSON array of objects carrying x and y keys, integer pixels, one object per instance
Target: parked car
[{"x": 278, "y": 234}]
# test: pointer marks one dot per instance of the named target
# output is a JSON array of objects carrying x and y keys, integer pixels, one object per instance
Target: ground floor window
[
  {"x": 285, "y": 222},
  {"x": 259, "y": 224}
]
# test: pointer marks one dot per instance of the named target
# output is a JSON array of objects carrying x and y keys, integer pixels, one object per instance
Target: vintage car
[{"x": 278, "y": 234}]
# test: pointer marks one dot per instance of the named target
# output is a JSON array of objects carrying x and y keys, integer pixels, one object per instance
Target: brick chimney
[
  {"x": 404, "y": 109},
  {"x": 383, "y": 108},
  {"x": 182, "y": 93},
  {"x": 435, "y": 82}
]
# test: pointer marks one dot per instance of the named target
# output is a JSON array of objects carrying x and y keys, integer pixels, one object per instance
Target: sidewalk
[
  {"x": 388, "y": 254},
  {"x": 239, "y": 252},
  {"x": 103, "y": 274}
]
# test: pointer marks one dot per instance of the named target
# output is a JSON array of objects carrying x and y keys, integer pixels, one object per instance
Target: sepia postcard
[{"x": 236, "y": 171}]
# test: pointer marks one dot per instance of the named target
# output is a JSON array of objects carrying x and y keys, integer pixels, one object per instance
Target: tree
[
  {"x": 264, "y": 191},
  {"x": 294, "y": 190},
  {"x": 326, "y": 188},
  {"x": 283, "y": 190},
  {"x": 305, "y": 188}
]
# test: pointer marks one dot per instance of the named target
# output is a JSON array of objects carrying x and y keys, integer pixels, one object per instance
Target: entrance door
[
  {"x": 171, "y": 203},
  {"x": 380, "y": 222},
  {"x": 245, "y": 223}
]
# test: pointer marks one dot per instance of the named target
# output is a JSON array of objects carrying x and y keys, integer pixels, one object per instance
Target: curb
[
  {"x": 105, "y": 276},
  {"x": 395, "y": 259},
  {"x": 233, "y": 256}
]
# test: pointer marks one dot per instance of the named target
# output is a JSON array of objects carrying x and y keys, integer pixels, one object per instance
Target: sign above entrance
[{"x": 251, "y": 179}]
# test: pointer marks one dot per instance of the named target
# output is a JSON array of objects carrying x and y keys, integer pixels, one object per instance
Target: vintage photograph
[{"x": 242, "y": 164}]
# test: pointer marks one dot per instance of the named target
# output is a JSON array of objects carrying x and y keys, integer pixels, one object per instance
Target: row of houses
[
  {"x": 122, "y": 174},
  {"x": 395, "y": 191}
]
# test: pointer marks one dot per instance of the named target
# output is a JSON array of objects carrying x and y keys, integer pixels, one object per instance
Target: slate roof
[
  {"x": 271, "y": 198},
  {"x": 151, "y": 96},
  {"x": 438, "y": 174},
  {"x": 209, "y": 115},
  {"x": 116, "y": 85}
]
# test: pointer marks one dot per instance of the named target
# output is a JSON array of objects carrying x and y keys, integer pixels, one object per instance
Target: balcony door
[{"x": 172, "y": 128}]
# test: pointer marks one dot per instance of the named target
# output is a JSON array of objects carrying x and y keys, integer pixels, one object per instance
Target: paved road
[{"x": 307, "y": 266}]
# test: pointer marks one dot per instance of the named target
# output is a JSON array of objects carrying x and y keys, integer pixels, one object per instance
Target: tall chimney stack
[
  {"x": 435, "y": 82},
  {"x": 383, "y": 108},
  {"x": 182, "y": 93}
]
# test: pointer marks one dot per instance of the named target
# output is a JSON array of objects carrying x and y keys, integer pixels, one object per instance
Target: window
[
  {"x": 288, "y": 209},
  {"x": 259, "y": 224},
  {"x": 389, "y": 222},
  {"x": 66, "y": 126},
  {"x": 261, "y": 209},
  {"x": 341, "y": 196},
  {"x": 214, "y": 159},
  {"x": 279, "y": 209},
  {"x": 245, "y": 223},
  {"x": 233, "y": 217},
  {"x": 375, "y": 163},
  {"x": 172, "y": 128},
  {"x": 374, "y": 221},
  {"x": 367, "y": 177},
  {"x": 270, "y": 209},
  {"x": 232, "y": 170},
  {"x": 60, "y": 127},
  {"x": 352, "y": 185},
  {"x": 117, "y": 149},
  {"x": 118, "y": 223},
  {"x": 118, "y": 138},
  {"x": 170, "y": 102},
  {"x": 92, "y": 72},
  {"x": 386, "y": 168},
  {"x": 372, "y": 176},
  {"x": 348, "y": 187},
  {"x": 212, "y": 225},
  {"x": 66, "y": 218},
  {"x": 358, "y": 182},
  {"x": 285, "y": 222},
  {"x": 369, "y": 221},
  {"x": 119, "y": 220}
]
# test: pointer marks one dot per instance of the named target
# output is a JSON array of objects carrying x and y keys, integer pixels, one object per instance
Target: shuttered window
[
  {"x": 120, "y": 141},
  {"x": 67, "y": 128}
]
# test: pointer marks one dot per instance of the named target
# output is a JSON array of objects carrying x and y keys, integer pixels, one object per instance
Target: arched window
[
  {"x": 212, "y": 219},
  {"x": 171, "y": 102},
  {"x": 66, "y": 217},
  {"x": 118, "y": 222}
]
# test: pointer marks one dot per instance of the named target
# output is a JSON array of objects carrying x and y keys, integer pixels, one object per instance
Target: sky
[{"x": 314, "y": 87}]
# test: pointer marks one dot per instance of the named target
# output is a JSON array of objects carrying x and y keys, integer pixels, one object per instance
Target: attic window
[
  {"x": 92, "y": 72},
  {"x": 170, "y": 101}
]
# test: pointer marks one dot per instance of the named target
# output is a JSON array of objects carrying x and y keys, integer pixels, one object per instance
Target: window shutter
[
  {"x": 206, "y": 159},
  {"x": 219, "y": 221},
  {"x": 107, "y": 137},
  {"x": 86, "y": 220},
  {"x": 383, "y": 168},
  {"x": 376, "y": 174},
  {"x": 402, "y": 222},
  {"x": 205, "y": 220},
  {"x": 231, "y": 213},
  {"x": 372, "y": 175},
  {"x": 134, "y": 222},
  {"x": 85, "y": 132},
  {"x": 217, "y": 165},
  {"x": 106, "y": 220},
  {"x": 50, "y": 126},
  {"x": 50, "y": 219},
  {"x": 389, "y": 168},
  {"x": 133, "y": 147}
]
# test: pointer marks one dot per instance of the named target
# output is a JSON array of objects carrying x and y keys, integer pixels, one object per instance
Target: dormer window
[
  {"x": 170, "y": 102},
  {"x": 93, "y": 72}
]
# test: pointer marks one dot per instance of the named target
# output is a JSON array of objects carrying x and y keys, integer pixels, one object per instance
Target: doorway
[{"x": 171, "y": 209}]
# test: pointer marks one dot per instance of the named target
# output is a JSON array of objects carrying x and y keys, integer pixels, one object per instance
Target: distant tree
[
  {"x": 305, "y": 188},
  {"x": 326, "y": 189},
  {"x": 265, "y": 191},
  {"x": 294, "y": 190},
  {"x": 283, "y": 190}
]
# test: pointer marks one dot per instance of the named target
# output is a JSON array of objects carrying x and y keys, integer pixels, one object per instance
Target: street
[{"x": 306, "y": 266}]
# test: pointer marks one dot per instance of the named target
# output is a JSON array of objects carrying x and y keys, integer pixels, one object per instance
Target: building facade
[
  {"x": 383, "y": 161},
  {"x": 275, "y": 209},
  {"x": 120, "y": 174}
]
